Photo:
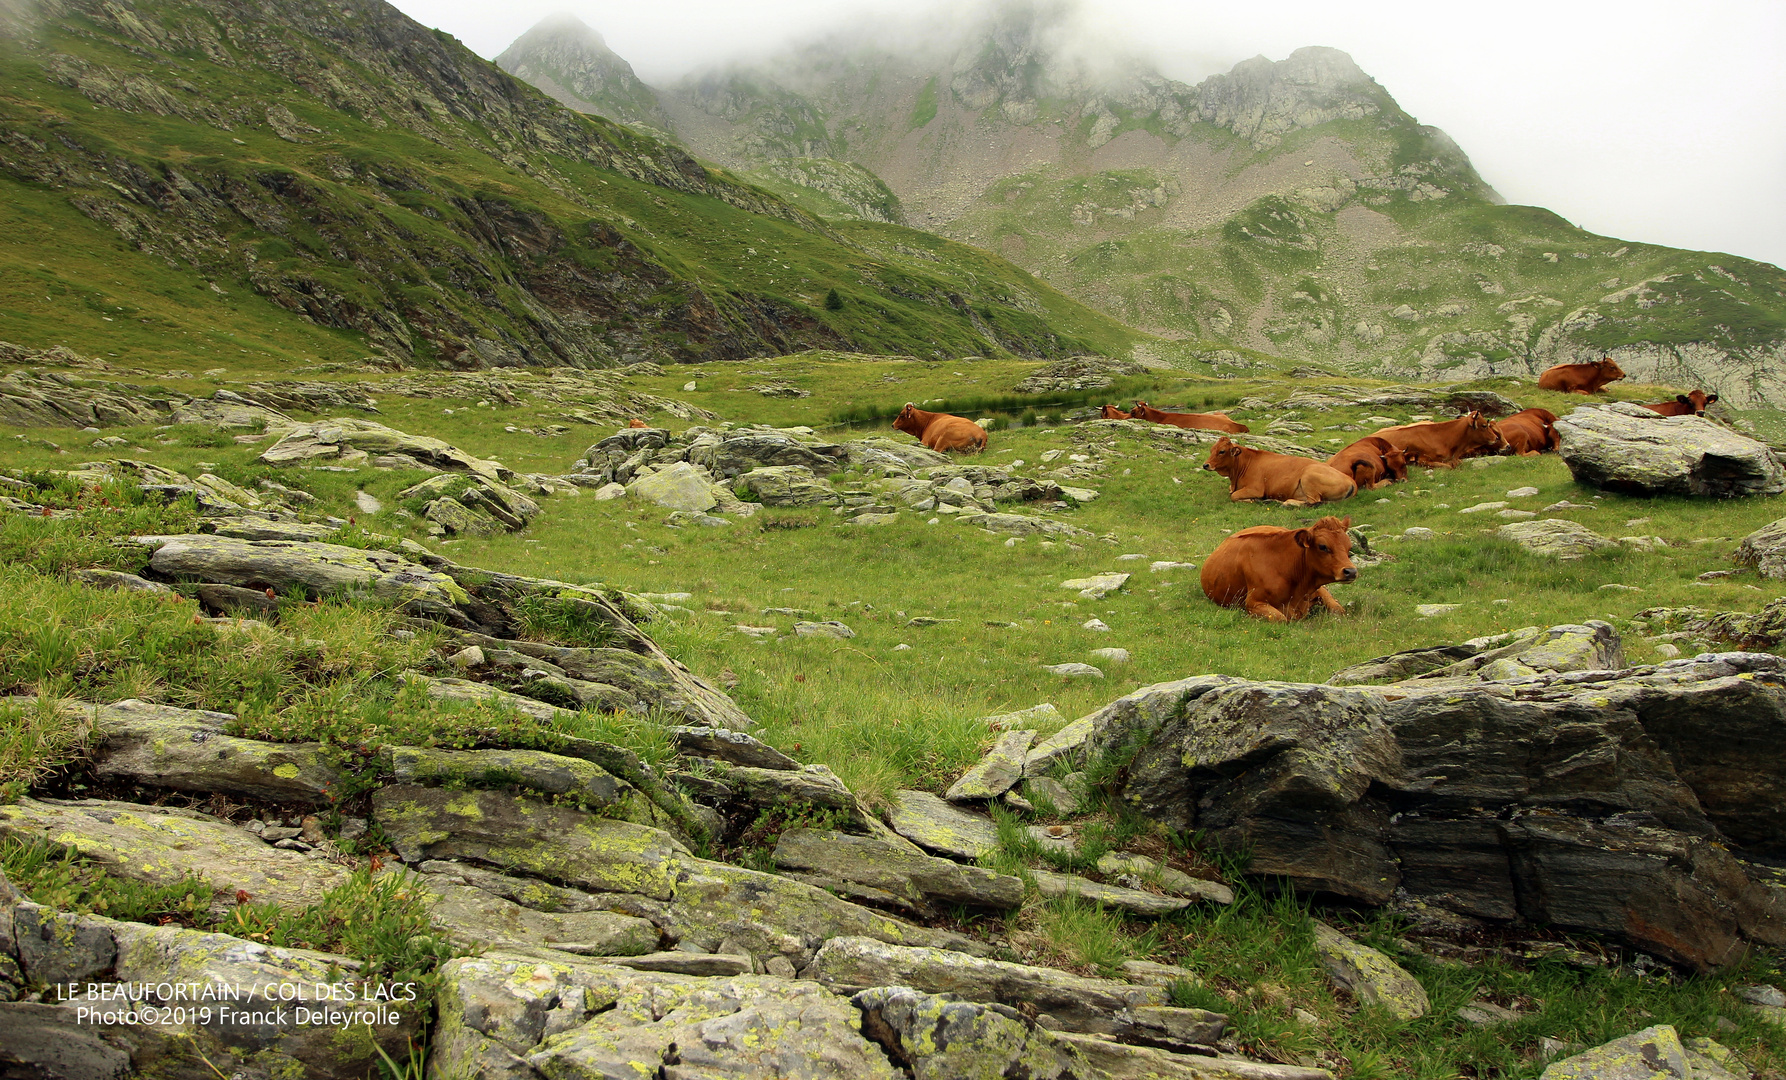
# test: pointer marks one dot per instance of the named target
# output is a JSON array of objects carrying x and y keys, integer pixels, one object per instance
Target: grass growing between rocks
[{"x": 380, "y": 920}]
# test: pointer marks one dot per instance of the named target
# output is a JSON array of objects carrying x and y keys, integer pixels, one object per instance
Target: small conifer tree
[{"x": 833, "y": 302}]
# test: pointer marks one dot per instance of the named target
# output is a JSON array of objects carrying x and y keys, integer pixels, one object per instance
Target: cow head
[
  {"x": 1395, "y": 463},
  {"x": 1480, "y": 434},
  {"x": 1224, "y": 457},
  {"x": 1327, "y": 550},
  {"x": 1141, "y": 410},
  {"x": 1697, "y": 400},
  {"x": 1111, "y": 412},
  {"x": 907, "y": 420},
  {"x": 1610, "y": 371}
]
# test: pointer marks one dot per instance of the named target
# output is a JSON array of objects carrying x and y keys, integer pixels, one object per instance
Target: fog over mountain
[{"x": 1660, "y": 123}]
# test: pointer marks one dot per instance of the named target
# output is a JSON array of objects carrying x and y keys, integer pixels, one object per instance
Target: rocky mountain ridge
[{"x": 1291, "y": 206}]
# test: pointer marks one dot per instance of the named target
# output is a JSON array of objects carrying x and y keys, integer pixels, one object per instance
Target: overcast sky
[{"x": 1642, "y": 120}]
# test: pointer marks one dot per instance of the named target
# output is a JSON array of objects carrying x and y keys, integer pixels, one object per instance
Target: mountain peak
[{"x": 569, "y": 60}]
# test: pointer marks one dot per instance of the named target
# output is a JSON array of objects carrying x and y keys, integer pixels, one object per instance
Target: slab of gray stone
[
  {"x": 1369, "y": 976},
  {"x": 1655, "y": 1053},
  {"x": 942, "y": 1037},
  {"x": 1033, "y": 716},
  {"x": 1176, "y": 882},
  {"x": 1046, "y": 789},
  {"x": 733, "y": 746},
  {"x": 509, "y": 1016},
  {"x": 1065, "y": 745},
  {"x": 1629, "y": 449},
  {"x": 115, "y": 579},
  {"x": 314, "y": 568},
  {"x": 1555, "y": 537},
  {"x": 527, "y": 770},
  {"x": 677, "y": 486},
  {"x": 936, "y": 825},
  {"x": 1133, "y": 901},
  {"x": 997, "y": 772},
  {"x": 850, "y": 964},
  {"x": 679, "y": 962},
  {"x": 166, "y": 747},
  {"x": 1097, "y": 586},
  {"x": 830, "y": 628},
  {"x": 788, "y": 485},
  {"x": 1765, "y": 550},
  {"x": 1073, "y": 670},
  {"x": 880, "y": 865}
]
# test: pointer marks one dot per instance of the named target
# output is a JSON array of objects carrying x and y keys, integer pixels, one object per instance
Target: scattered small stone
[
  {"x": 1427, "y": 611},
  {"x": 1159, "y": 567},
  {"x": 1097, "y": 586},
  {"x": 1563, "y": 504},
  {"x": 1044, "y": 713},
  {"x": 471, "y": 657},
  {"x": 686, "y": 387},
  {"x": 1635, "y": 522},
  {"x": 928, "y": 620},
  {"x": 1114, "y": 656},
  {"x": 1516, "y": 515},
  {"x": 1369, "y": 976},
  {"x": 1072, "y": 671},
  {"x": 1522, "y": 493},
  {"x": 1129, "y": 558},
  {"x": 1097, "y": 625},
  {"x": 1616, "y": 587},
  {"x": 902, "y": 647},
  {"x": 755, "y": 631},
  {"x": 830, "y": 628},
  {"x": 1483, "y": 507},
  {"x": 1668, "y": 649},
  {"x": 1762, "y": 994},
  {"x": 1416, "y": 532},
  {"x": 1717, "y": 575},
  {"x": 1483, "y": 1013},
  {"x": 1051, "y": 792}
]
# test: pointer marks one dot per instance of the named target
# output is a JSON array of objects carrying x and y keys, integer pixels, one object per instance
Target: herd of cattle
[{"x": 1277, "y": 573}]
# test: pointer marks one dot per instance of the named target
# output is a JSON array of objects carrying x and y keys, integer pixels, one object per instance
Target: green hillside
[{"x": 189, "y": 182}]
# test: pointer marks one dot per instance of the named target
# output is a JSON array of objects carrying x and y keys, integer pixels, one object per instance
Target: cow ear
[
  {"x": 1304, "y": 538},
  {"x": 1709, "y": 398},
  {"x": 1346, "y": 522},
  {"x": 1683, "y": 399}
]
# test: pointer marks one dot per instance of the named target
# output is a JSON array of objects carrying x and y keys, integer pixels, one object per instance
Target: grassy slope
[
  {"x": 394, "y": 236},
  {"x": 886, "y": 719}
]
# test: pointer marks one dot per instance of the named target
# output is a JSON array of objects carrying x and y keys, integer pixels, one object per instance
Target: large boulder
[
  {"x": 737, "y": 454},
  {"x": 314, "y": 569},
  {"x": 1609, "y": 801},
  {"x": 1628, "y": 448},
  {"x": 679, "y": 486},
  {"x": 510, "y": 1016},
  {"x": 788, "y": 485},
  {"x": 347, "y": 438},
  {"x": 1765, "y": 550}
]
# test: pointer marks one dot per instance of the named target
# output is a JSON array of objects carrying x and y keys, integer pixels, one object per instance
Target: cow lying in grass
[
  {"x": 940, "y": 431},
  {"x": 1277, "y": 574},
  {"x": 1294, "y": 481},
  {"x": 1529, "y": 431},
  {"x": 1213, "y": 421},
  {"x": 1371, "y": 462},
  {"x": 1581, "y": 378},
  {"x": 1692, "y": 404}
]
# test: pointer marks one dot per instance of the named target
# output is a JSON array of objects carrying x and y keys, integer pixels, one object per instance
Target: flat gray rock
[
  {"x": 904, "y": 873},
  {"x": 997, "y": 772},
  {"x": 1626, "y": 448},
  {"x": 1133, "y": 901},
  {"x": 1065, "y": 745},
  {"x": 677, "y": 486},
  {"x": 1369, "y": 976},
  {"x": 936, "y": 825},
  {"x": 1655, "y": 1053},
  {"x": 733, "y": 746},
  {"x": 1555, "y": 537}
]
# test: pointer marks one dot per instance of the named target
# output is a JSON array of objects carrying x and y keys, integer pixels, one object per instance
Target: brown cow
[
  {"x": 1371, "y": 462},
  {"x": 940, "y": 431},
  {"x": 1444, "y": 442},
  {"x": 1258, "y": 474},
  {"x": 1581, "y": 378},
  {"x": 1692, "y": 404},
  {"x": 1213, "y": 421},
  {"x": 1277, "y": 573},
  {"x": 1111, "y": 412},
  {"x": 635, "y": 423},
  {"x": 1529, "y": 431}
]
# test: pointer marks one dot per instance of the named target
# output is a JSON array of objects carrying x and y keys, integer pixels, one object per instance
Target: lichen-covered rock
[
  {"x": 997, "y": 772},
  {"x": 163, "y": 846},
  {"x": 587, "y": 783},
  {"x": 942, "y": 1037},
  {"x": 509, "y": 1016},
  {"x": 1369, "y": 976},
  {"x": 114, "y": 579},
  {"x": 1133, "y": 901},
  {"x": 161, "y": 746},
  {"x": 475, "y": 918},
  {"x": 1141, "y": 868},
  {"x": 897, "y": 870},
  {"x": 457, "y": 519},
  {"x": 1627, "y": 448},
  {"x": 1555, "y": 537},
  {"x": 1765, "y": 550},
  {"x": 788, "y": 485},
  {"x": 933, "y": 823},
  {"x": 595, "y": 853},
  {"x": 1076, "y": 1002},
  {"x": 468, "y": 691},
  {"x": 1757, "y": 630},
  {"x": 732, "y": 746},
  {"x": 328, "y": 439},
  {"x": 1655, "y": 1053},
  {"x": 314, "y": 568},
  {"x": 679, "y": 486},
  {"x": 740, "y": 453}
]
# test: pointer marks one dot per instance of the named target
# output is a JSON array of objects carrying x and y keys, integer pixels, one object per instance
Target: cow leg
[
  {"x": 1260, "y": 609},
  {"x": 1246, "y": 495},
  {"x": 1329, "y": 602}
]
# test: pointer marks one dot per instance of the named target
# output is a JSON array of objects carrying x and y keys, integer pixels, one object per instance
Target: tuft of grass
[
  {"x": 57, "y": 877},
  {"x": 37, "y": 737}
]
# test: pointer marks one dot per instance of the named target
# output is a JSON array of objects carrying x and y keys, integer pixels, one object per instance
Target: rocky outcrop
[
  {"x": 1077, "y": 373},
  {"x": 1558, "y": 538},
  {"x": 1476, "y": 794},
  {"x": 1757, "y": 630},
  {"x": 1630, "y": 449},
  {"x": 1765, "y": 550}
]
